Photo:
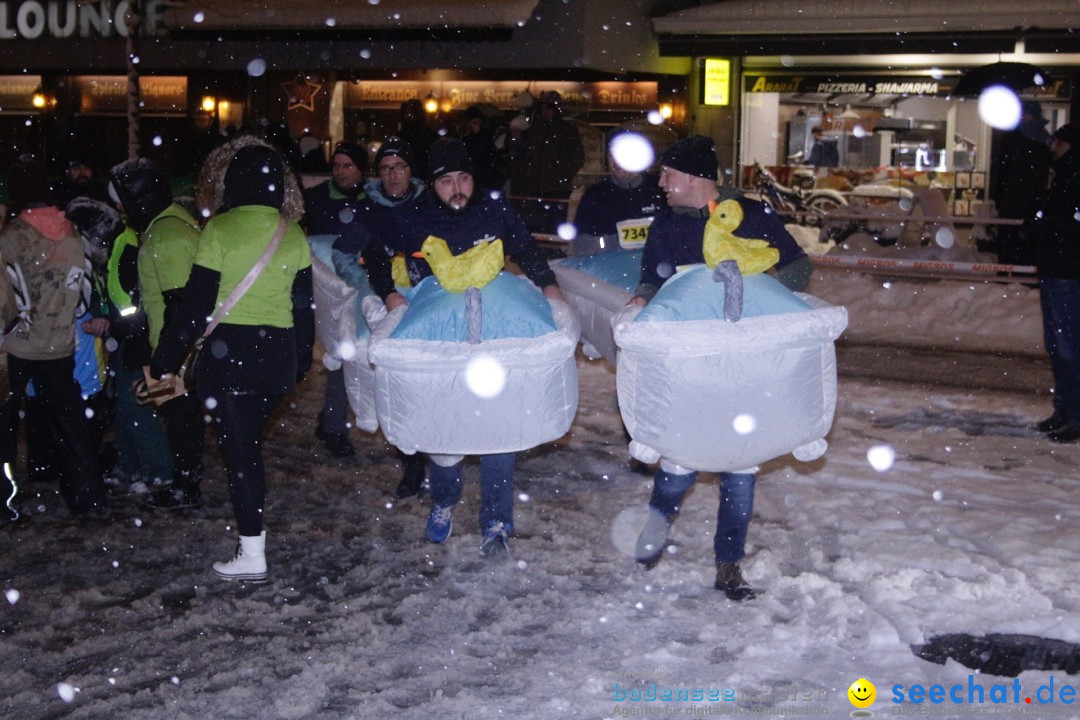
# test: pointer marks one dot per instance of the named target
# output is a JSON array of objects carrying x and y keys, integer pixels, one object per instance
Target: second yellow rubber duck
[{"x": 720, "y": 243}]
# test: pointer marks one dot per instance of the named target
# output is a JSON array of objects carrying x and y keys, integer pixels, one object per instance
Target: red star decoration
[{"x": 301, "y": 92}]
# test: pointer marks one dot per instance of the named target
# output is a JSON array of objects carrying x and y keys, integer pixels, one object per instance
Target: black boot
[
  {"x": 337, "y": 443},
  {"x": 183, "y": 493},
  {"x": 1055, "y": 422},
  {"x": 413, "y": 475},
  {"x": 729, "y": 579},
  {"x": 1065, "y": 434}
]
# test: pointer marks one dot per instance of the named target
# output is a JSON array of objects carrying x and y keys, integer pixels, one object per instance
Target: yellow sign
[{"x": 717, "y": 81}]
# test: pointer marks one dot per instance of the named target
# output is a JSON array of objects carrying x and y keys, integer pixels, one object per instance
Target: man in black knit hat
[
  {"x": 330, "y": 208},
  {"x": 394, "y": 186},
  {"x": 457, "y": 212},
  {"x": 688, "y": 178}
]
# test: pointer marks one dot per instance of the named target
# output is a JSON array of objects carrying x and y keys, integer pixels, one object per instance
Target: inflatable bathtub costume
[
  {"x": 598, "y": 287},
  {"x": 342, "y": 331},
  {"x": 479, "y": 362},
  {"x": 725, "y": 368}
]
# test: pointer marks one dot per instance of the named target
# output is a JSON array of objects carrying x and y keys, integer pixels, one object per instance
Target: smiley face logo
[{"x": 862, "y": 693}]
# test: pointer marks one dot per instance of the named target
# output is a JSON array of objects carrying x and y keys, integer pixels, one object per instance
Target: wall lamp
[{"x": 431, "y": 104}]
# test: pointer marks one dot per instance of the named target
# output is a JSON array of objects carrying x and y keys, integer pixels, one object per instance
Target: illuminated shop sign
[
  {"x": 17, "y": 93},
  {"x": 33, "y": 19},
  {"x": 107, "y": 94},
  {"x": 920, "y": 85},
  {"x": 716, "y": 85},
  {"x": 460, "y": 94},
  {"x": 863, "y": 85}
]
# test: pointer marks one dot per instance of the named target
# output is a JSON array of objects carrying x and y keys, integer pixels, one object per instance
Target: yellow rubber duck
[
  {"x": 475, "y": 267},
  {"x": 719, "y": 242}
]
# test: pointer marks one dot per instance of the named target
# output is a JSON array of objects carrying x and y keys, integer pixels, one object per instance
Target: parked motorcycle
[
  {"x": 882, "y": 210},
  {"x": 808, "y": 205}
]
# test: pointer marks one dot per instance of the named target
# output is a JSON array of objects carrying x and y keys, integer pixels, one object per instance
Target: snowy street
[{"x": 973, "y": 528}]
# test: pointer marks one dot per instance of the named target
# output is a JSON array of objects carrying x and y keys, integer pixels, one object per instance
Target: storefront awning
[
  {"x": 853, "y": 26},
  {"x": 383, "y": 15}
]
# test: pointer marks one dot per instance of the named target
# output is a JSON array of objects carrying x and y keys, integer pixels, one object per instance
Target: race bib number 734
[{"x": 633, "y": 233}]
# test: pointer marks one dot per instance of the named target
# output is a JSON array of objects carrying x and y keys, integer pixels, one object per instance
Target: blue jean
[
  {"x": 732, "y": 516},
  {"x": 1060, "y": 301},
  {"x": 142, "y": 446},
  {"x": 496, "y": 488}
]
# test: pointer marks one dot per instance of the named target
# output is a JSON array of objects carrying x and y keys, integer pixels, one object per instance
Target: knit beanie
[
  {"x": 1068, "y": 133},
  {"x": 256, "y": 176},
  {"x": 695, "y": 155},
  {"x": 447, "y": 156},
  {"x": 28, "y": 183},
  {"x": 141, "y": 190},
  {"x": 394, "y": 146},
  {"x": 354, "y": 152}
]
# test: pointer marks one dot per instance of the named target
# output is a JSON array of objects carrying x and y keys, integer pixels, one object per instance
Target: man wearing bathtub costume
[
  {"x": 688, "y": 177},
  {"x": 454, "y": 210}
]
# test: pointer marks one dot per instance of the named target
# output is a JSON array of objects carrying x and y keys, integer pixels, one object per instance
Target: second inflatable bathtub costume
[{"x": 725, "y": 368}]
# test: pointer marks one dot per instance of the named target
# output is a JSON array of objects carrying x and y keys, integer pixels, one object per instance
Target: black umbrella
[{"x": 1013, "y": 75}]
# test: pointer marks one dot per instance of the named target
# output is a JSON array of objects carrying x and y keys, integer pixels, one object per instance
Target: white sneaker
[{"x": 249, "y": 563}]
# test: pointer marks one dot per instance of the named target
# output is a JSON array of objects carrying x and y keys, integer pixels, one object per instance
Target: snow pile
[{"x": 956, "y": 314}]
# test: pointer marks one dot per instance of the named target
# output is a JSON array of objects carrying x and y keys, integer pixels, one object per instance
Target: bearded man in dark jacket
[{"x": 462, "y": 216}]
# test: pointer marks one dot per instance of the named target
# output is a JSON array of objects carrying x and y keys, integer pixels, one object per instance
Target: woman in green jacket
[{"x": 262, "y": 347}]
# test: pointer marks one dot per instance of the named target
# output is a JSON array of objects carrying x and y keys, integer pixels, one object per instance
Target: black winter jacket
[
  {"x": 1056, "y": 227},
  {"x": 485, "y": 218}
]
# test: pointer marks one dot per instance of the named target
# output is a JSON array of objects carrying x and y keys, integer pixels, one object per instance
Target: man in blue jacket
[
  {"x": 395, "y": 186},
  {"x": 688, "y": 177}
]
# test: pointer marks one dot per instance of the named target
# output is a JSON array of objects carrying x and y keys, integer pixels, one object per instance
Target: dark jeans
[
  {"x": 334, "y": 417},
  {"x": 242, "y": 419},
  {"x": 496, "y": 488},
  {"x": 1060, "y": 300},
  {"x": 40, "y": 463},
  {"x": 139, "y": 435},
  {"x": 186, "y": 432},
  {"x": 73, "y": 454},
  {"x": 732, "y": 517}
]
